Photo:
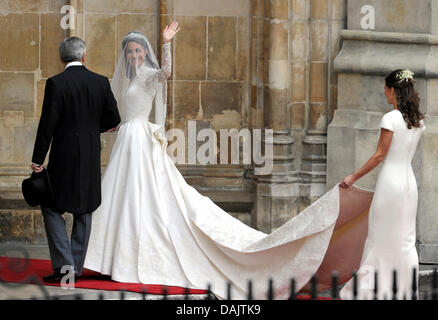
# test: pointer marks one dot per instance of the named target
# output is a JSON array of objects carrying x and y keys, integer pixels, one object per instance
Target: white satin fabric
[
  {"x": 154, "y": 228},
  {"x": 390, "y": 244}
]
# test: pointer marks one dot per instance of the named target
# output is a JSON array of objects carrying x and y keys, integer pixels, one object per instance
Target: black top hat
[{"x": 37, "y": 189}]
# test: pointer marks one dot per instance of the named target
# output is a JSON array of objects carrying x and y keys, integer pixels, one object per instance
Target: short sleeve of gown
[{"x": 387, "y": 122}]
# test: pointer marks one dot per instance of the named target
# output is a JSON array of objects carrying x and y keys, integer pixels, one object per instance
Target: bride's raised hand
[{"x": 170, "y": 31}]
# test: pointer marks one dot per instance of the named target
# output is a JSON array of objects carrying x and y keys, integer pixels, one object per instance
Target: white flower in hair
[{"x": 404, "y": 75}]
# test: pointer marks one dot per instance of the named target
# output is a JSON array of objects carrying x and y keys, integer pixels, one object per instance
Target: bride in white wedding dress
[{"x": 154, "y": 228}]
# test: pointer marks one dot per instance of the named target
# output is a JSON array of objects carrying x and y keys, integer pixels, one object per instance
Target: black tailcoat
[{"x": 78, "y": 106}]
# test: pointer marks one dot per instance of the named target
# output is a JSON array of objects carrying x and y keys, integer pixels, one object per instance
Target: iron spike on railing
[
  {"x": 434, "y": 284},
  {"x": 165, "y": 291},
  {"x": 208, "y": 292},
  {"x": 292, "y": 289},
  {"x": 228, "y": 291},
  {"x": 376, "y": 285},
  {"x": 122, "y": 295},
  {"x": 271, "y": 290},
  {"x": 314, "y": 287},
  {"x": 394, "y": 285},
  {"x": 186, "y": 293},
  {"x": 335, "y": 289},
  {"x": 249, "y": 290},
  {"x": 355, "y": 285},
  {"x": 414, "y": 284},
  {"x": 144, "y": 292},
  {"x": 100, "y": 297}
]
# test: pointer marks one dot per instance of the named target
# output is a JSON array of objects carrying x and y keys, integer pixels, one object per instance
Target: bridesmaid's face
[
  {"x": 135, "y": 54},
  {"x": 389, "y": 93}
]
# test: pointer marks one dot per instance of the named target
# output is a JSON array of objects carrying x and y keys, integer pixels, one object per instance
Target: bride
[{"x": 154, "y": 228}]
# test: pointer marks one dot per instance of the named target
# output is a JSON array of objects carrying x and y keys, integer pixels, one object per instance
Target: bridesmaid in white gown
[{"x": 390, "y": 244}]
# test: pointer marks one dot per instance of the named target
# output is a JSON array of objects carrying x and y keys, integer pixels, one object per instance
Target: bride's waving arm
[
  {"x": 166, "y": 60},
  {"x": 166, "y": 63}
]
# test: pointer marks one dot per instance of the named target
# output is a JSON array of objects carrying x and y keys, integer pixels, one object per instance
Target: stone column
[
  {"x": 277, "y": 193},
  {"x": 383, "y": 36},
  {"x": 324, "y": 16}
]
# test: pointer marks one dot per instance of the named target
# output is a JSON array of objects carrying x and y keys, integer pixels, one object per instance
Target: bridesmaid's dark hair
[{"x": 408, "y": 101}]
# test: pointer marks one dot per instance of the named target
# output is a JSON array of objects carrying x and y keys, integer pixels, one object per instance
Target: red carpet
[{"x": 31, "y": 271}]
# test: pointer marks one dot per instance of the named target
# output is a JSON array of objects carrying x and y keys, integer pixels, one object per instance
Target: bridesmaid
[{"x": 390, "y": 243}]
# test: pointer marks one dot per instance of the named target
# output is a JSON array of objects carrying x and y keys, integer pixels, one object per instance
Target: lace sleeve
[{"x": 166, "y": 63}]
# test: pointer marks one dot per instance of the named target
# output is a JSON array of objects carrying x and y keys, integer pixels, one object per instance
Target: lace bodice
[{"x": 138, "y": 98}]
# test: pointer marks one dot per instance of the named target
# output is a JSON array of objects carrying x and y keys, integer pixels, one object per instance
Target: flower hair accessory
[{"x": 404, "y": 75}]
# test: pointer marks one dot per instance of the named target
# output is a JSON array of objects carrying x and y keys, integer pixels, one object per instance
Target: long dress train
[{"x": 154, "y": 228}]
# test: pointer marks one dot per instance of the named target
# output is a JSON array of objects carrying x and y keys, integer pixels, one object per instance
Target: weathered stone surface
[
  {"x": 280, "y": 9},
  {"x": 27, "y": 6},
  {"x": 318, "y": 116},
  {"x": 300, "y": 40},
  {"x": 367, "y": 92},
  {"x": 339, "y": 9},
  {"x": 279, "y": 33},
  {"x": 56, "y": 5},
  {"x": 319, "y": 9},
  {"x": 320, "y": 38},
  {"x": 100, "y": 38},
  {"x": 219, "y": 96},
  {"x": 298, "y": 82},
  {"x": 190, "y": 49},
  {"x": 207, "y": 7},
  {"x": 143, "y": 23},
  {"x": 13, "y": 119},
  {"x": 145, "y": 6},
  {"x": 17, "y": 93},
  {"x": 227, "y": 120},
  {"x": 186, "y": 100},
  {"x": 20, "y": 46},
  {"x": 221, "y": 48},
  {"x": 106, "y": 6},
  {"x": 394, "y": 16},
  {"x": 318, "y": 82},
  {"x": 243, "y": 48},
  {"x": 51, "y": 36},
  {"x": 298, "y": 115},
  {"x": 300, "y": 9}
]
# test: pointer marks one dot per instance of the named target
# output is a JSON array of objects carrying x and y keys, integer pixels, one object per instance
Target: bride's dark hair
[{"x": 408, "y": 101}]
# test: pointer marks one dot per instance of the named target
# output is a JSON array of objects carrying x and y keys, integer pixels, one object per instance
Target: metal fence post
[
  {"x": 394, "y": 285},
  {"x": 335, "y": 289},
  {"x": 271, "y": 290},
  {"x": 249, "y": 290},
  {"x": 355, "y": 285},
  {"x": 314, "y": 287},
  {"x": 292, "y": 289},
  {"x": 414, "y": 285}
]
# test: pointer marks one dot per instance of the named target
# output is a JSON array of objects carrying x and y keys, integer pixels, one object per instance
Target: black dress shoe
[{"x": 55, "y": 277}]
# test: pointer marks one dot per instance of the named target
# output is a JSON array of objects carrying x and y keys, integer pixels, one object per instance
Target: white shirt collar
[{"x": 74, "y": 63}]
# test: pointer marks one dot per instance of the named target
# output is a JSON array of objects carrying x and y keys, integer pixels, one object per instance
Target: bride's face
[{"x": 135, "y": 54}]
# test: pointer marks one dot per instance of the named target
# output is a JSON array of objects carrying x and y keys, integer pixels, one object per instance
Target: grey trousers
[{"x": 61, "y": 251}]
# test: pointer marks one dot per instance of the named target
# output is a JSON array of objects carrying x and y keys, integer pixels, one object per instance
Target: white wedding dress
[{"x": 154, "y": 228}]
